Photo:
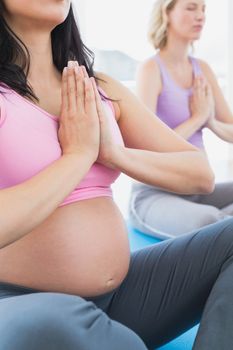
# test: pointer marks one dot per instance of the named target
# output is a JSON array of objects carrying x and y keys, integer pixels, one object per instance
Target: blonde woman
[
  {"x": 67, "y": 278},
  {"x": 183, "y": 92}
]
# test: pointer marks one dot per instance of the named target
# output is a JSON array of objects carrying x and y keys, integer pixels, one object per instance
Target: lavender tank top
[{"x": 173, "y": 101}]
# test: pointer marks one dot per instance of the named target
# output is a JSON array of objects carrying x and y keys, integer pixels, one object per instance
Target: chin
[
  {"x": 58, "y": 13},
  {"x": 196, "y": 37},
  {"x": 56, "y": 18},
  {"x": 60, "y": 19}
]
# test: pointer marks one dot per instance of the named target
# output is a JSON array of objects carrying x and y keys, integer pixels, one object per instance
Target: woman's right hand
[
  {"x": 79, "y": 130},
  {"x": 201, "y": 101}
]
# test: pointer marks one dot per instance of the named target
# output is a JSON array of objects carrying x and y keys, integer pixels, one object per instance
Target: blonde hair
[{"x": 157, "y": 32}]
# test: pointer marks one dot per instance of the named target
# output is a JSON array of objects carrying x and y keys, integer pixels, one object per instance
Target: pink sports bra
[{"x": 29, "y": 143}]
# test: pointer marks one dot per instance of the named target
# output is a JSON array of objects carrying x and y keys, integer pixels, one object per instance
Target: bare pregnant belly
[{"x": 82, "y": 248}]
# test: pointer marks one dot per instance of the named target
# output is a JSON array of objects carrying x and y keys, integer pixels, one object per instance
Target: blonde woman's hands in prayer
[{"x": 202, "y": 102}]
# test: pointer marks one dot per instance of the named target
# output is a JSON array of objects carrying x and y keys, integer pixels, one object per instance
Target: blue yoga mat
[{"x": 139, "y": 240}]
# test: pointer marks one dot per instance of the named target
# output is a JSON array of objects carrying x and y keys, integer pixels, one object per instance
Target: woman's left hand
[
  {"x": 211, "y": 103},
  {"x": 209, "y": 98},
  {"x": 108, "y": 147}
]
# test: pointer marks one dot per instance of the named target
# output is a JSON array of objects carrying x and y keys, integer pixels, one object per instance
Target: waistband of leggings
[
  {"x": 8, "y": 289},
  {"x": 14, "y": 288}
]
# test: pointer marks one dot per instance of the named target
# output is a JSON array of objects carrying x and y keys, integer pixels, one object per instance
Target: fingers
[
  {"x": 195, "y": 83},
  {"x": 207, "y": 90},
  {"x": 78, "y": 91},
  {"x": 84, "y": 72},
  {"x": 98, "y": 100},
  {"x": 72, "y": 91},
  {"x": 198, "y": 83},
  {"x": 64, "y": 93},
  {"x": 94, "y": 94},
  {"x": 200, "y": 86},
  {"x": 90, "y": 104},
  {"x": 72, "y": 88}
]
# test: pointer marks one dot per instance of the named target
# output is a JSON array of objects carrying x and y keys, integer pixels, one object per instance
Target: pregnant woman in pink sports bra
[
  {"x": 183, "y": 92},
  {"x": 67, "y": 279}
]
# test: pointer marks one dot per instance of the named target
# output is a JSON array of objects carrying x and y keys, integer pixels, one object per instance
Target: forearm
[
  {"x": 188, "y": 128},
  {"x": 181, "y": 172},
  {"x": 26, "y": 205},
  {"x": 222, "y": 130}
]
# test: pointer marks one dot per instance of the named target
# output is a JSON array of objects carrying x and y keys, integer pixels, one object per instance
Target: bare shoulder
[
  {"x": 111, "y": 86},
  {"x": 149, "y": 66},
  {"x": 114, "y": 89},
  {"x": 148, "y": 76},
  {"x": 123, "y": 98}
]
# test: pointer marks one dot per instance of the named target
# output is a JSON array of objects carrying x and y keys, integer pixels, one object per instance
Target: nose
[{"x": 200, "y": 16}]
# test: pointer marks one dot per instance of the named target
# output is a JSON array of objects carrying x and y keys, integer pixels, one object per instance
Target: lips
[{"x": 198, "y": 27}]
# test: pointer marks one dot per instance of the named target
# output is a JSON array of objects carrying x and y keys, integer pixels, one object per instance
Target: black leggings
[{"x": 170, "y": 287}]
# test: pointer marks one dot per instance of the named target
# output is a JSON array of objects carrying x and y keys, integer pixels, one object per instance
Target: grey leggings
[
  {"x": 170, "y": 287},
  {"x": 166, "y": 215}
]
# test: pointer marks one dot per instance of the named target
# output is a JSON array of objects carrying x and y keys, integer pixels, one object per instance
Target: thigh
[
  {"x": 168, "y": 284},
  {"x": 167, "y": 215},
  {"x": 56, "y": 321}
]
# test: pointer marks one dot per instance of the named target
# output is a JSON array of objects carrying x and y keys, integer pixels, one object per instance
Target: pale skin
[
  {"x": 208, "y": 106},
  {"x": 82, "y": 248}
]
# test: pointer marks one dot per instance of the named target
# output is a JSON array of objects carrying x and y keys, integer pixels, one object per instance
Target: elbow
[
  {"x": 204, "y": 175},
  {"x": 206, "y": 185}
]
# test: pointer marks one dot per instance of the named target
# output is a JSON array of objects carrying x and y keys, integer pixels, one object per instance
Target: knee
[
  {"x": 211, "y": 216},
  {"x": 225, "y": 239},
  {"x": 43, "y": 321},
  {"x": 222, "y": 236},
  {"x": 62, "y": 322}
]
